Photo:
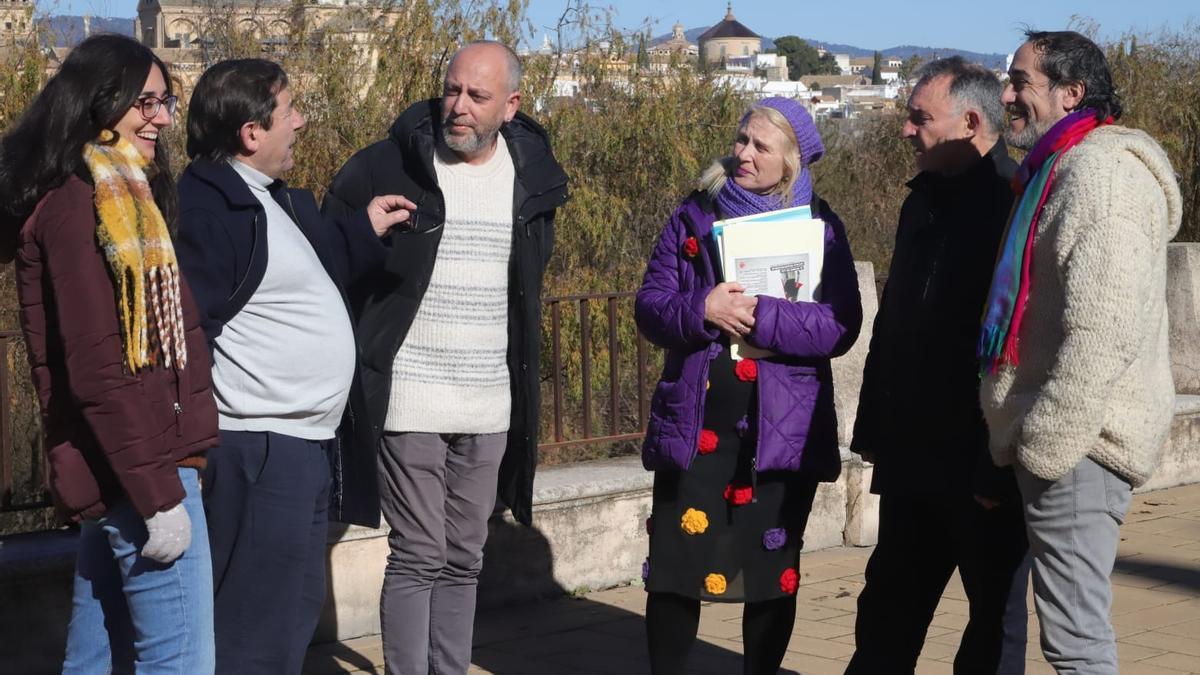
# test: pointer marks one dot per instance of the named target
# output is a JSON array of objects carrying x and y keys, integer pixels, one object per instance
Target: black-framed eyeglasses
[{"x": 149, "y": 106}]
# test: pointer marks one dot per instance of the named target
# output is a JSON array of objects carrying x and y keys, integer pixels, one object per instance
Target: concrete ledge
[
  {"x": 1180, "y": 462},
  {"x": 588, "y": 480},
  {"x": 1187, "y": 404},
  {"x": 1183, "y": 314},
  {"x": 589, "y": 530},
  {"x": 37, "y": 554},
  {"x": 848, "y": 369},
  {"x": 36, "y": 572},
  {"x": 589, "y": 533}
]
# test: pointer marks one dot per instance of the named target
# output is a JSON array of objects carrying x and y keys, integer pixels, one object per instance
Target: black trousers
[
  {"x": 673, "y": 620},
  {"x": 922, "y": 539},
  {"x": 266, "y": 498}
]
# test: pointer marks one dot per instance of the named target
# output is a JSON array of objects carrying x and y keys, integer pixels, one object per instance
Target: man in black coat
[
  {"x": 450, "y": 336},
  {"x": 943, "y": 503}
]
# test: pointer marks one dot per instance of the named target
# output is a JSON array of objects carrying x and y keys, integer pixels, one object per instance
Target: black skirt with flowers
[{"x": 718, "y": 532}]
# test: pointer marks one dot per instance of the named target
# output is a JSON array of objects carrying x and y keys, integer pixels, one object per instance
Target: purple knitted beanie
[{"x": 807, "y": 136}]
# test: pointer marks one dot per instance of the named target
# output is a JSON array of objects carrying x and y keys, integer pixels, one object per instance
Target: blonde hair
[{"x": 713, "y": 178}]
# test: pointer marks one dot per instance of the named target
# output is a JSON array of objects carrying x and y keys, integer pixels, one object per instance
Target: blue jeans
[{"x": 132, "y": 614}]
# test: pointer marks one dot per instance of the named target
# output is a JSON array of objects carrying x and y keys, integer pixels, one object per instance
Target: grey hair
[
  {"x": 513, "y": 62},
  {"x": 971, "y": 86}
]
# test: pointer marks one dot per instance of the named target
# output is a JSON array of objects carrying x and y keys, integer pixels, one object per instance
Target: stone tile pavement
[{"x": 1156, "y": 613}]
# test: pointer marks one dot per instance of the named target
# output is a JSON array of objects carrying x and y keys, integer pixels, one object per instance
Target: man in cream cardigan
[{"x": 1077, "y": 387}]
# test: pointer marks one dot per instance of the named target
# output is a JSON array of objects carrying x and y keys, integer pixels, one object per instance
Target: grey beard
[
  {"x": 1026, "y": 138},
  {"x": 471, "y": 144}
]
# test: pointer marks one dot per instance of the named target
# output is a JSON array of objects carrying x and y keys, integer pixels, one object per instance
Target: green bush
[
  {"x": 632, "y": 143},
  {"x": 1159, "y": 81}
]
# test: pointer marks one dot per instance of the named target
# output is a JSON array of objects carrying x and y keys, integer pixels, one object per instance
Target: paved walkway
[{"x": 1156, "y": 613}]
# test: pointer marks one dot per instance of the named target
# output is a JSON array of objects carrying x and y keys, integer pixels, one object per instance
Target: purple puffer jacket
[{"x": 796, "y": 425}]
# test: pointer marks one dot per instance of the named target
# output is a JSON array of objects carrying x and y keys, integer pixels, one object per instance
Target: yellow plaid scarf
[{"x": 138, "y": 247}]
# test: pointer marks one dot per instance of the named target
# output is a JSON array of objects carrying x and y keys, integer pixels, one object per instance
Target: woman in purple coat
[{"x": 738, "y": 447}]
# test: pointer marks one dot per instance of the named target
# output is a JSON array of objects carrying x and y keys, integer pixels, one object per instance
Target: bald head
[
  {"x": 480, "y": 95},
  {"x": 491, "y": 55}
]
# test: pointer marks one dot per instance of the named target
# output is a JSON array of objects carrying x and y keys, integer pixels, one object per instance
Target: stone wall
[
  {"x": 1183, "y": 311},
  {"x": 1180, "y": 462},
  {"x": 589, "y": 533},
  {"x": 589, "y": 518},
  {"x": 848, "y": 370}
]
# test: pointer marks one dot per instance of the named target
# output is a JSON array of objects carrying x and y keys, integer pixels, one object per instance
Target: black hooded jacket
[{"x": 387, "y": 302}]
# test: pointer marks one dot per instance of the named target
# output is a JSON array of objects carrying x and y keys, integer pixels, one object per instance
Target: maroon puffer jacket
[{"x": 109, "y": 435}]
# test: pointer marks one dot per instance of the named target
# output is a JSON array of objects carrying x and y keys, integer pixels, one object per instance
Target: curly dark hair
[{"x": 1066, "y": 56}]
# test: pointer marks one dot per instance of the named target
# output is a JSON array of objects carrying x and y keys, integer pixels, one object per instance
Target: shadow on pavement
[
  {"x": 562, "y": 634},
  {"x": 1167, "y": 571},
  {"x": 529, "y": 624}
]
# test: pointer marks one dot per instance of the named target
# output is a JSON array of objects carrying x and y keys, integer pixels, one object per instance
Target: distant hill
[
  {"x": 927, "y": 53},
  {"x": 902, "y": 51},
  {"x": 67, "y": 30}
]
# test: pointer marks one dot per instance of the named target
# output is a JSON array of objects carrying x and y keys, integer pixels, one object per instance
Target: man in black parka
[
  {"x": 943, "y": 504},
  {"x": 450, "y": 341}
]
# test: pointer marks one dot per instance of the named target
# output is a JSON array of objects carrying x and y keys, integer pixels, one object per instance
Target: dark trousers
[
  {"x": 673, "y": 620},
  {"x": 266, "y": 497},
  {"x": 438, "y": 491},
  {"x": 921, "y": 541}
]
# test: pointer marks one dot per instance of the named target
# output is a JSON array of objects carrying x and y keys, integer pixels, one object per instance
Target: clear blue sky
[{"x": 977, "y": 25}]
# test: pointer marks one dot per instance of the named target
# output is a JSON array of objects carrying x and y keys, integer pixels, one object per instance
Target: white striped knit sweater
[{"x": 451, "y": 373}]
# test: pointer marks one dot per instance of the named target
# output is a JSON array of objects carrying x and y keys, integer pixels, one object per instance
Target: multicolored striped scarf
[
  {"x": 139, "y": 251},
  {"x": 1032, "y": 184}
]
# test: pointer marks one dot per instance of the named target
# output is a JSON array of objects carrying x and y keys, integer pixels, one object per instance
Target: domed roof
[{"x": 728, "y": 28}]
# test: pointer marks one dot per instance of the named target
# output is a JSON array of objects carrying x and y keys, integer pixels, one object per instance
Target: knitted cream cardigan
[{"x": 1094, "y": 378}]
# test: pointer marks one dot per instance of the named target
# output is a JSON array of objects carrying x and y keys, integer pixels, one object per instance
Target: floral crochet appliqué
[
  {"x": 715, "y": 584},
  {"x": 691, "y": 247},
  {"x": 738, "y": 495},
  {"x": 694, "y": 522},
  {"x": 746, "y": 370},
  {"x": 708, "y": 441},
  {"x": 774, "y": 538},
  {"x": 789, "y": 581},
  {"x": 742, "y": 426}
]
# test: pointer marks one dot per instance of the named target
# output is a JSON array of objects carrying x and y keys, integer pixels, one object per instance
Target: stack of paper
[{"x": 777, "y": 253}]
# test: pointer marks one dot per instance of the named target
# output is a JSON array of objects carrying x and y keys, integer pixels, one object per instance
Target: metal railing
[
  {"x": 618, "y": 426},
  {"x": 10, "y": 474},
  {"x": 572, "y": 413}
]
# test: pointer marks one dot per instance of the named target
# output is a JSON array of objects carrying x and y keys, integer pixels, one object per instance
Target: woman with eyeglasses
[{"x": 119, "y": 361}]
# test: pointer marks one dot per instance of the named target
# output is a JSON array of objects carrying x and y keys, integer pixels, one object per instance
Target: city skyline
[{"x": 870, "y": 24}]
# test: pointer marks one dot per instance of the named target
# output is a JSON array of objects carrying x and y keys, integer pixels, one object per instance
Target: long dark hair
[{"x": 97, "y": 84}]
